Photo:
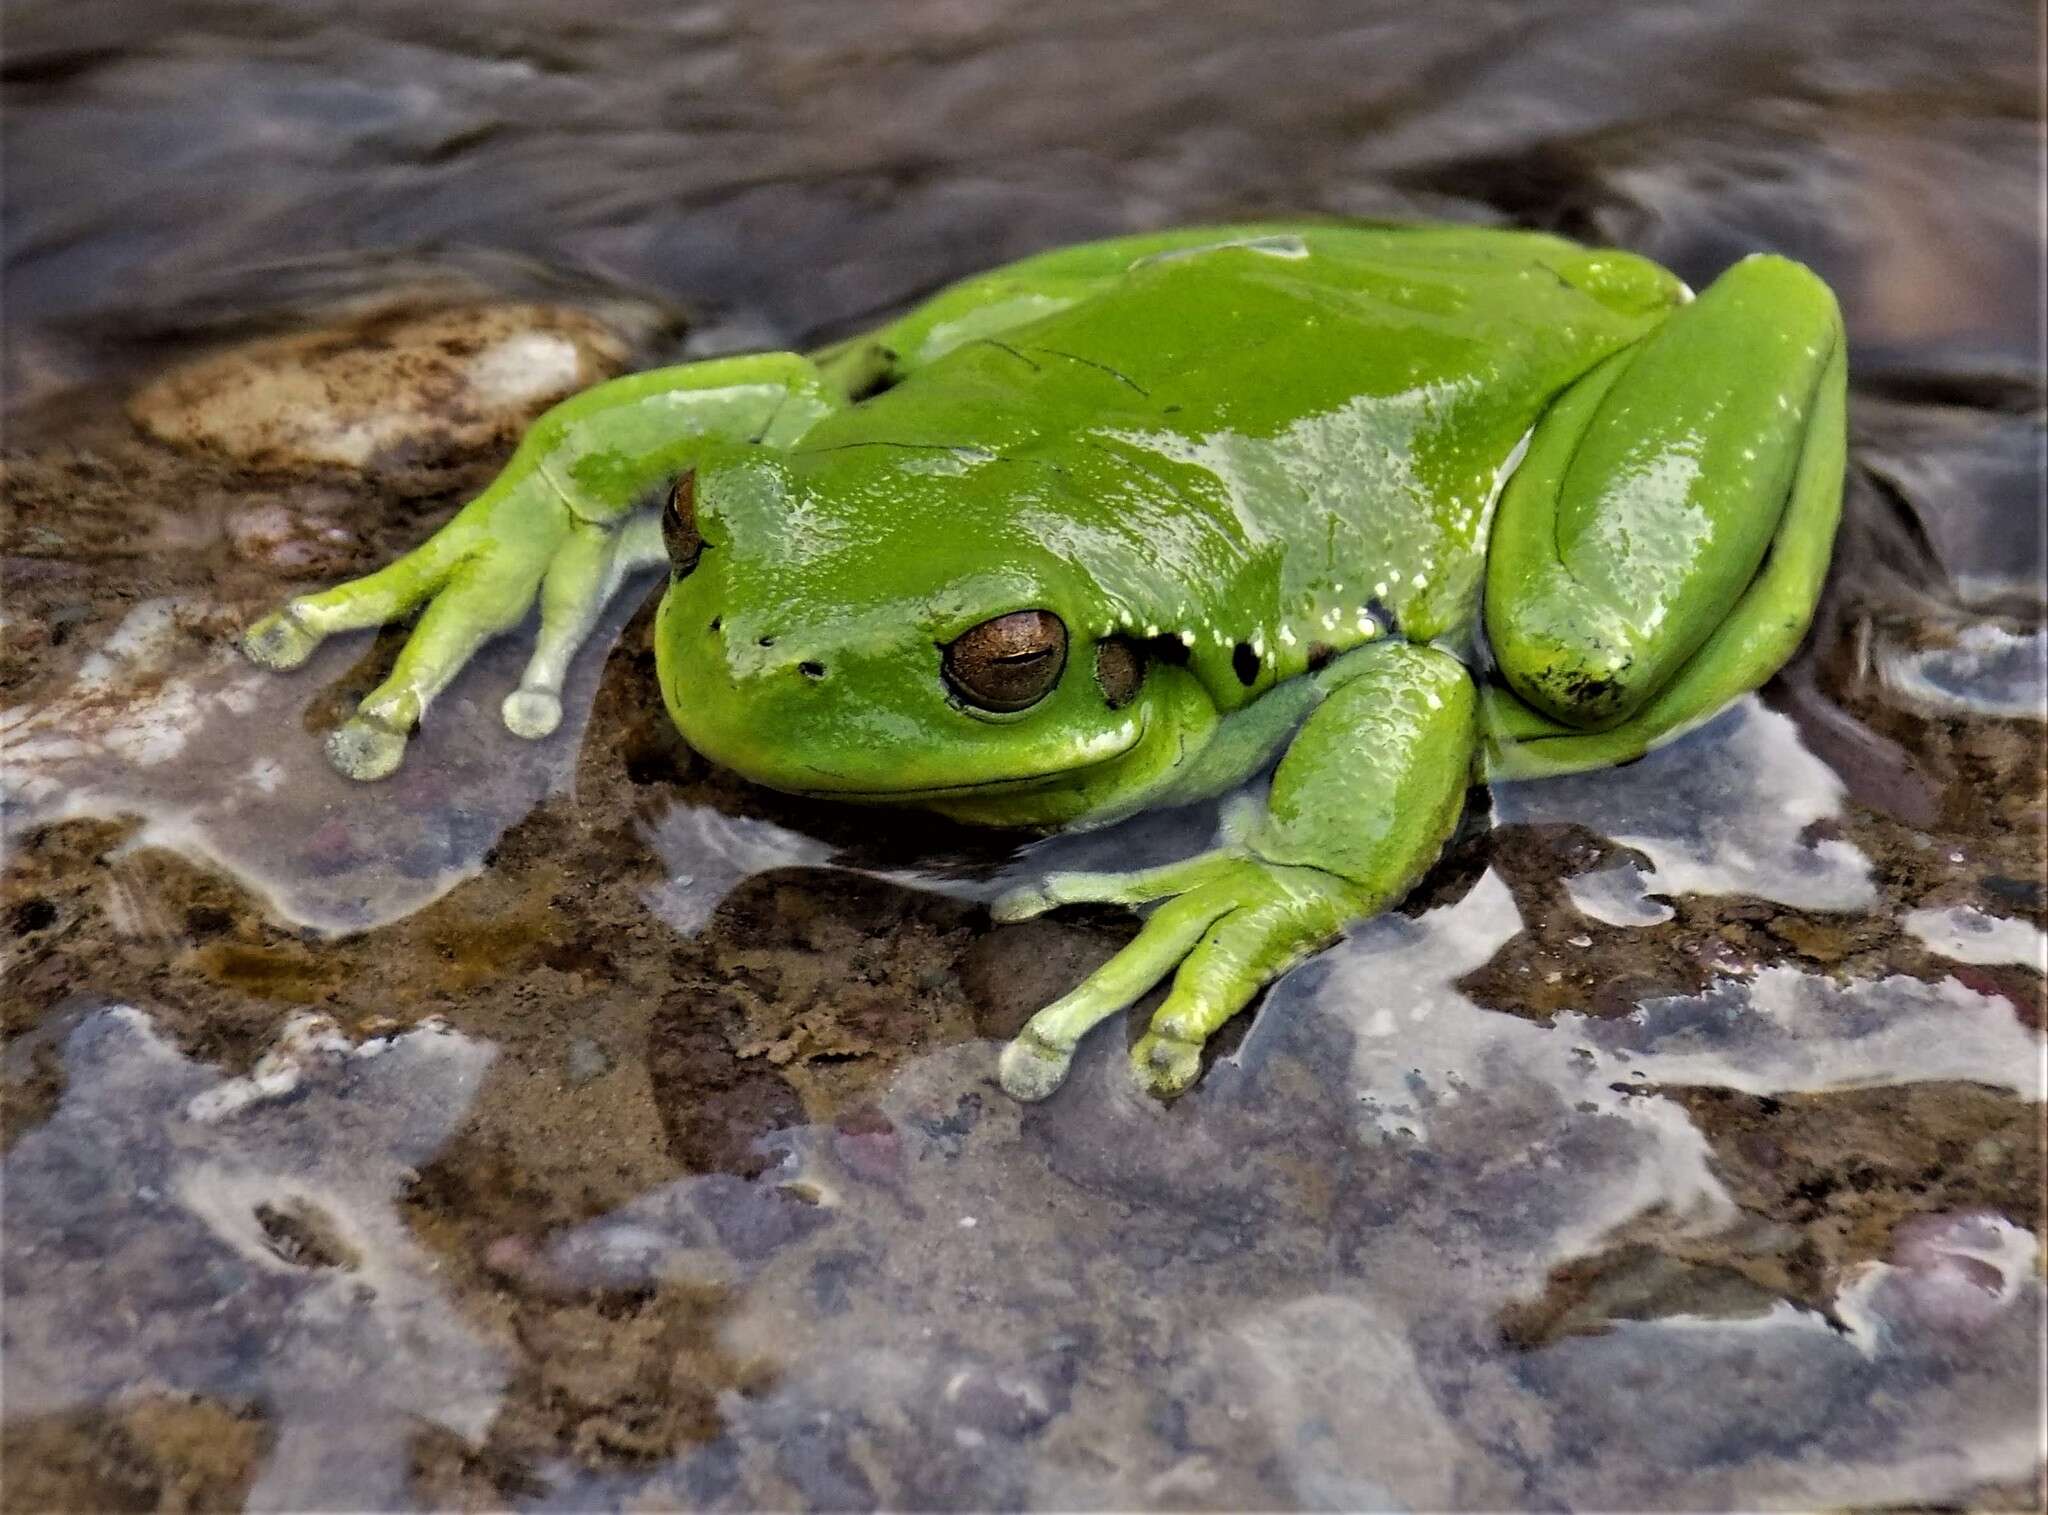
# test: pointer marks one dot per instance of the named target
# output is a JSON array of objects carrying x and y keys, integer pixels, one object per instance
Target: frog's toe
[
  {"x": 364, "y": 747},
  {"x": 1032, "y": 1067},
  {"x": 1134, "y": 887},
  {"x": 1166, "y": 1065},
  {"x": 280, "y": 641},
  {"x": 531, "y": 712}
]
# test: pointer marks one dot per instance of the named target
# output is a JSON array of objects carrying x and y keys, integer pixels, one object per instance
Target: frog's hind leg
[{"x": 1662, "y": 546}]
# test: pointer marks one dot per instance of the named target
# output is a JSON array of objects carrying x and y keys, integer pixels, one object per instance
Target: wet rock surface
[{"x": 1677, "y": 1144}]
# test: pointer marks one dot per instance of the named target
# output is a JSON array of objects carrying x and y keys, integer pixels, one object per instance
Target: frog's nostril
[{"x": 811, "y": 670}]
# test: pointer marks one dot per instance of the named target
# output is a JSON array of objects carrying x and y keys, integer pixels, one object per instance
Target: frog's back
[{"x": 1284, "y": 437}]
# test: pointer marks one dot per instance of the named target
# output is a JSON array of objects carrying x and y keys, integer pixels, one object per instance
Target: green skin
[{"x": 1259, "y": 464}]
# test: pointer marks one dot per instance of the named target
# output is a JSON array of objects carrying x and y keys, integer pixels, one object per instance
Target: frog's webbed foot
[
  {"x": 282, "y": 640},
  {"x": 561, "y": 524},
  {"x": 475, "y": 583},
  {"x": 1234, "y": 923},
  {"x": 1369, "y": 790}
]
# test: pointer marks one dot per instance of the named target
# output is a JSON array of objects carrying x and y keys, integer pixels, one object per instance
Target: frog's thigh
[{"x": 1654, "y": 491}]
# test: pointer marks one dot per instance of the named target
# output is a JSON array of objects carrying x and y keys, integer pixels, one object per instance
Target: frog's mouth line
[{"x": 1015, "y": 784}]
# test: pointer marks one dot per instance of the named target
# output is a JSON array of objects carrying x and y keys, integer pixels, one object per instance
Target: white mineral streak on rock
[
  {"x": 1968, "y": 935},
  {"x": 1724, "y": 810}
]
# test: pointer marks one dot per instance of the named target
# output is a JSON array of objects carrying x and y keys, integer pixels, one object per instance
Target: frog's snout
[{"x": 766, "y": 661}]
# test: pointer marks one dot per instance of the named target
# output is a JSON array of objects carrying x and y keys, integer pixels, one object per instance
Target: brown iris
[
  {"x": 1008, "y": 663},
  {"x": 679, "y": 532}
]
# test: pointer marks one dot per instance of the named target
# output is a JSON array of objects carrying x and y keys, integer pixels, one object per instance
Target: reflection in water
[
  {"x": 1304, "y": 1259},
  {"x": 1078, "y": 1306},
  {"x": 167, "y": 721},
  {"x": 168, "y": 1229},
  {"x": 1725, "y": 811},
  {"x": 706, "y": 854},
  {"x": 1989, "y": 671}
]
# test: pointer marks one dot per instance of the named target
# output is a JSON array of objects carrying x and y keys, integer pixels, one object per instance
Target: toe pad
[
  {"x": 532, "y": 713},
  {"x": 365, "y": 749},
  {"x": 279, "y": 641},
  {"x": 1031, "y": 1069}
]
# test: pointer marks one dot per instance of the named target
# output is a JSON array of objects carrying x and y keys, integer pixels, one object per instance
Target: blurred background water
[{"x": 567, "y": 1125}]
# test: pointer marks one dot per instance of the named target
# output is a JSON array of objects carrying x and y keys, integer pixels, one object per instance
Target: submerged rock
[{"x": 388, "y": 394}]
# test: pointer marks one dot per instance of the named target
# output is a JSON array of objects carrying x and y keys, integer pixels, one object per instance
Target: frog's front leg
[
  {"x": 1361, "y": 804},
  {"x": 561, "y": 524}
]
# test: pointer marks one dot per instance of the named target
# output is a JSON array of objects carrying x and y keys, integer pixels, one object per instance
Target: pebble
[{"x": 387, "y": 395}]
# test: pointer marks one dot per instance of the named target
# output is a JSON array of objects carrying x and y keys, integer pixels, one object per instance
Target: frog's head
[{"x": 887, "y": 625}]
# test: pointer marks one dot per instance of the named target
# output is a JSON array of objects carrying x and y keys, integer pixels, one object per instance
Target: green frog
[{"x": 1378, "y": 511}]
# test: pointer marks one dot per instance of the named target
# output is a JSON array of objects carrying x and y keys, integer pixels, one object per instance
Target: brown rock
[{"x": 386, "y": 395}]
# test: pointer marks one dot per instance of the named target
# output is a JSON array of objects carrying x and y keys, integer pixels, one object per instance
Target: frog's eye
[
  {"x": 1119, "y": 670},
  {"x": 679, "y": 532},
  {"x": 1008, "y": 663}
]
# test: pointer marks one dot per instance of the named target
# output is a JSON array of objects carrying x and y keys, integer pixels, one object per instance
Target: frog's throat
[{"x": 1024, "y": 783}]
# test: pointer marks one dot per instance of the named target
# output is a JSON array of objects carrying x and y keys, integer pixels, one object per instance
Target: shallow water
[{"x": 567, "y": 1125}]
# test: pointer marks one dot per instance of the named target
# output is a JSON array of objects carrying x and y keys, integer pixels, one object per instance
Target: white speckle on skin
[{"x": 956, "y": 462}]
